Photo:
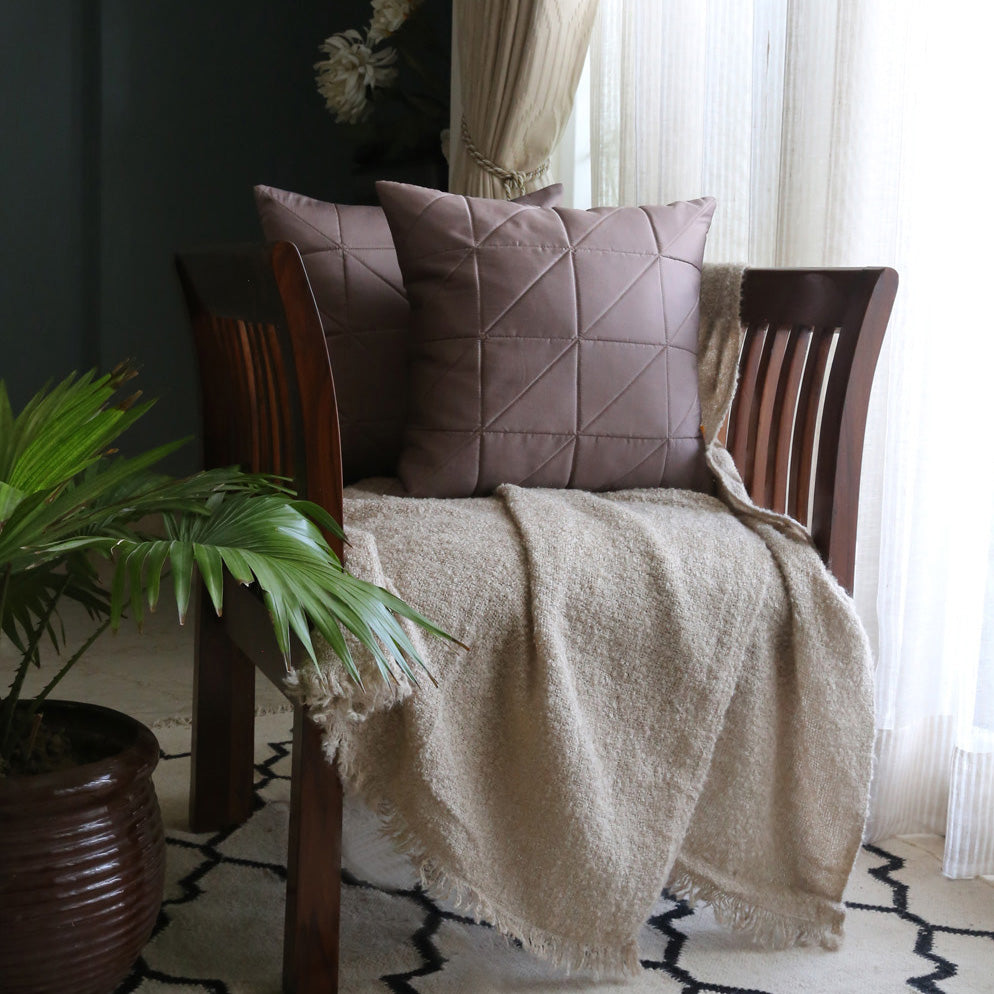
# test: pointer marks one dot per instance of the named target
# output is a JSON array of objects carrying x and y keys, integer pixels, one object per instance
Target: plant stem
[
  {"x": 30, "y": 653},
  {"x": 50, "y": 686}
]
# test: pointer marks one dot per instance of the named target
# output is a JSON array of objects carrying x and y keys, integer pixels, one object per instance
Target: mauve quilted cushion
[
  {"x": 550, "y": 347},
  {"x": 352, "y": 268}
]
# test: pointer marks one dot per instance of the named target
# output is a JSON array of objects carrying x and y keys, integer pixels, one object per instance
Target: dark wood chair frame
[{"x": 795, "y": 431}]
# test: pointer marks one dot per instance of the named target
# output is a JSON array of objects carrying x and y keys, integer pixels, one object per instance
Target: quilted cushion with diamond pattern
[
  {"x": 350, "y": 262},
  {"x": 550, "y": 347}
]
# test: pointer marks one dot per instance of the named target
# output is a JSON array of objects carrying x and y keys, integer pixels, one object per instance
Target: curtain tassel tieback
[{"x": 514, "y": 180}]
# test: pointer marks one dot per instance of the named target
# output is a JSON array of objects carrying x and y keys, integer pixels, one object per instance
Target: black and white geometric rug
[{"x": 907, "y": 928}]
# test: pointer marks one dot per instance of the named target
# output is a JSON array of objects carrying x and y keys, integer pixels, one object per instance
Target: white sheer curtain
[{"x": 852, "y": 132}]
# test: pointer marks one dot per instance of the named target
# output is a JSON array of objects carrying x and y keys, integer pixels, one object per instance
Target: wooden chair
[{"x": 268, "y": 403}]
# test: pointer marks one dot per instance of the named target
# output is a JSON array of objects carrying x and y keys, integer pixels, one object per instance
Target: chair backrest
[
  {"x": 812, "y": 338},
  {"x": 266, "y": 387},
  {"x": 795, "y": 429}
]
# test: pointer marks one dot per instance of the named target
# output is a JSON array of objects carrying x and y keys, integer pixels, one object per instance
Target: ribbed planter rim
[{"x": 137, "y": 754}]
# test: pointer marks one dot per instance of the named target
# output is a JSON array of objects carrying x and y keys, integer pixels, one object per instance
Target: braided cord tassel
[{"x": 514, "y": 180}]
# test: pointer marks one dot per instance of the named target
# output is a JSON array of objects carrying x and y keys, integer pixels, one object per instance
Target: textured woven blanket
[{"x": 662, "y": 689}]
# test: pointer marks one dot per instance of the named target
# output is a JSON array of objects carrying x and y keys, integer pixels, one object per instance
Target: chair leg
[
  {"x": 222, "y": 763},
  {"x": 314, "y": 883}
]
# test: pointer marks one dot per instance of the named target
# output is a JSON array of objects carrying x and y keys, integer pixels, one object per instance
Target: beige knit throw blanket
[{"x": 663, "y": 689}]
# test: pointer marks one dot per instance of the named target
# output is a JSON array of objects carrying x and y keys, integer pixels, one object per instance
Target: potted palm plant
[{"x": 81, "y": 841}]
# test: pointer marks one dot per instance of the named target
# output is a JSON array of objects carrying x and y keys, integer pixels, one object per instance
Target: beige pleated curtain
[{"x": 515, "y": 72}]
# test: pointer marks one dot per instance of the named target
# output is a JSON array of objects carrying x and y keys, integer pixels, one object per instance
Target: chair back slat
[
  {"x": 280, "y": 417},
  {"x": 273, "y": 446},
  {"x": 249, "y": 412},
  {"x": 805, "y": 440},
  {"x": 743, "y": 418},
  {"x": 798, "y": 345},
  {"x": 764, "y": 453}
]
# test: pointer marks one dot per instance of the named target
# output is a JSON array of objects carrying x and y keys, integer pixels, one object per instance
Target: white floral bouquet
[
  {"x": 390, "y": 83},
  {"x": 353, "y": 70}
]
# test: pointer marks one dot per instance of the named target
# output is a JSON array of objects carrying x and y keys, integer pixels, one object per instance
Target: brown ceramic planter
[{"x": 82, "y": 862}]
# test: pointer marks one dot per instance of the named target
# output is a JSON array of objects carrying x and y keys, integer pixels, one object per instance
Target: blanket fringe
[
  {"x": 329, "y": 693},
  {"x": 766, "y": 928},
  {"x": 440, "y": 883}
]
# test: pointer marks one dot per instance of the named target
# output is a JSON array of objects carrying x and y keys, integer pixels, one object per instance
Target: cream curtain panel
[
  {"x": 853, "y": 132},
  {"x": 517, "y": 63}
]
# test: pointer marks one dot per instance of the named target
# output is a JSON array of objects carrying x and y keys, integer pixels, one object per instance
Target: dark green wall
[
  {"x": 129, "y": 130},
  {"x": 44, "y": 293}
]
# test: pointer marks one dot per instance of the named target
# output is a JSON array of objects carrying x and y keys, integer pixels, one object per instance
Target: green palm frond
[
  {"x": 74, "y": 578},
  {"x": 64, "y": 429},
  {"x": 65, "y": 497}
]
